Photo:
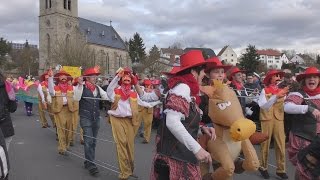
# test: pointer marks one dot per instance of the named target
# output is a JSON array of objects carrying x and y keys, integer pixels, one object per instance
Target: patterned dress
[{"x": 296, "y": 143}]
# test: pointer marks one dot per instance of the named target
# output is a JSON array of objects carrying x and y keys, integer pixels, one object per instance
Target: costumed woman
[
  {"x": 271, "y": 102},
  {"x": 178, "y": 153},
  {"x": 305, "y": 127},
  {"x": 123, "y": 117},
  {"x": 215, "y": 70}
]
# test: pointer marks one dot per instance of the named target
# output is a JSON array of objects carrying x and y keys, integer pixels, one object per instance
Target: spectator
[{"x": 5, "y": 118}]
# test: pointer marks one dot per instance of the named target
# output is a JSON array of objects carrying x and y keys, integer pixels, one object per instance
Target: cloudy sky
[{"x": 284, "y": 24}]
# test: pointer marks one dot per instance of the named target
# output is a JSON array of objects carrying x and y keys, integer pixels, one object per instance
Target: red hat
[
  {"x": 173, "y": 71},
  {"x": 272, "y": 73},
  {"x": 309, "y": 71},
  {"x": 191, "y": 59},
  {"x": 156, "y": 82},
  {"x": 147, "y": 82},
  {"x": 42, "y": 77},
  {"x": 93, "y": 71},
  {"x": 215, "y": 62},
  {"x": 63, "y": 72},
  {"x": 234, "y": 71}
]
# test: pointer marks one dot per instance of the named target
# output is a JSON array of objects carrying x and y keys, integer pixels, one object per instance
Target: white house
[
  {"x": 271, "y": 57},
  {"x": 171, "y": 54},
  {"x": 284, "y": 58},
  {"x": 228, "y": 56},
  {"x": 297, "y": 59}
]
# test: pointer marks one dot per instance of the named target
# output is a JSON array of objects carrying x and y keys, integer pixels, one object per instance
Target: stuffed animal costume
[{"x": 232, "y": 130}]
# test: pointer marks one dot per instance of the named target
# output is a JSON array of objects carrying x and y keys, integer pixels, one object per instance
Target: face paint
[
  {"x": 275, "y": 79},
  {"x": 126, "y": 79}
]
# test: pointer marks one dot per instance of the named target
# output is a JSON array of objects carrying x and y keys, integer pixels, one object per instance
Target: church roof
[{"x": 101, "y": 34}]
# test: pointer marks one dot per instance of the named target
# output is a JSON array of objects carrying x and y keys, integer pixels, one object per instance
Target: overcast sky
[{"x": 281, "y": 24}]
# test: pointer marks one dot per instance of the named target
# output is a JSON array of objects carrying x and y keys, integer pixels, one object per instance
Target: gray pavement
[{"x": 34, "y": 156}]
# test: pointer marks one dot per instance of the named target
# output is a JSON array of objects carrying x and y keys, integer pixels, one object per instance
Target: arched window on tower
[
  {"x": 65, "y": 4},
  {"x": 69, "y": 5},
  {"x": 120, "y": 61},
  {"x": 48, "y": 46},
  {"x": 67, "y": 40}
]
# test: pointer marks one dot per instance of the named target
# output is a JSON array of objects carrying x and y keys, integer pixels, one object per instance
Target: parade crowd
[{"x": 208, "y": 117}]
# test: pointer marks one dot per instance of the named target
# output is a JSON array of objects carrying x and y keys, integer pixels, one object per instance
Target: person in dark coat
[{"x": 5, "y": 119}]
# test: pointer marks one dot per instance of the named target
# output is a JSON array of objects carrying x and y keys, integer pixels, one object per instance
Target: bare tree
[
  {"x": 26, "y": 60},
  {"x": 73, "y": 51}
]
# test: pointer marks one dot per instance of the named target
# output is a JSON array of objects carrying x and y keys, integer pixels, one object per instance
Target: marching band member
[
  {"x": 305, "y": 127},
  {"x": 271, "y": 102},
  {"x": 63, "y": 107},
  {"x": 43, "y": 104},
  {"x": 123, "y": 117},
  {"x": 146, "y": 114},
  {"x": 87, "y": 96},
  {"x": 178, "y": 152}
]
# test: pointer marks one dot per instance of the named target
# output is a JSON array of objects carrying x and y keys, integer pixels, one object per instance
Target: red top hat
[
  {"x": 215, "y": 62},
  {"x": 93, "y": 71},
  {"x": 271, "y": 73},
  {"x": 42, "y": 77},
  {"x": 309, "y": 71},
  {"x": 147, "y": 82},
  {"x": 63, "y": 72},
  {"x": 233, "y": 71},
  {"x": 173, "y": 71},
  {"x": 190, "y": 59}
]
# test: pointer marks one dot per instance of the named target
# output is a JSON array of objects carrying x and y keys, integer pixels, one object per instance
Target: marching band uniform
[
  {"x": 75, "y": 121},
  {"x": 146, "y": 115},
  {"x": 176, "y": 139},
  {"x": 63, "y": 107},
  {"x": 87, "y": 95},
  {"x": 123, "y": 118},
  {"x": 43, "y": 104},
  {"x": 271, "y": 102}
]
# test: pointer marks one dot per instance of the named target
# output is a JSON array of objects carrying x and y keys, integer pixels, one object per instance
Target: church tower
[{"x": 58, "y": 20}]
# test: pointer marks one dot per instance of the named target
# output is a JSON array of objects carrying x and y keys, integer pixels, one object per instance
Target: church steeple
[
  {"x": 67, "y": 7},
  {"x": 58, "y": 20}
]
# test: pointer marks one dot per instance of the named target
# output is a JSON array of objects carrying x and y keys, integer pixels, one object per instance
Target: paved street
[{"x": 33, "y": 155}]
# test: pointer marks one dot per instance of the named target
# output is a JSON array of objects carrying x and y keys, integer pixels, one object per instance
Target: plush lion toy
[{"x": 233, "y": 131}]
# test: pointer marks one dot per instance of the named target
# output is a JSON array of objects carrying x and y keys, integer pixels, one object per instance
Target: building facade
[
  {"x": 59, "y": 21},
  {"x": 272, "y": 58},
  {"x": 228, "y": 55},
  {"x": 21, "y": 46}
]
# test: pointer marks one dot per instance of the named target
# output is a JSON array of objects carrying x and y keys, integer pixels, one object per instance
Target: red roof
[{"x": 269, "y": 52}]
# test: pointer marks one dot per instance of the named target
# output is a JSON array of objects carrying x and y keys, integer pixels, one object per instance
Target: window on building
[
  {"x": 65, "y": 4},
  {"x": 47, "y": 6},
  {"x": 107, "y": 64},
  {"x": 48, "y": 46},
  {"x": 277, "y": 61},
  {"x": 120, "y": 61},
  {"x": 50, "y": 3},
  {"x": 231, "y": 54},
  {"x": 231, "y": 60},
  {"x": 69, "y": 5},
  {"x": 67, "y": 40}
]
